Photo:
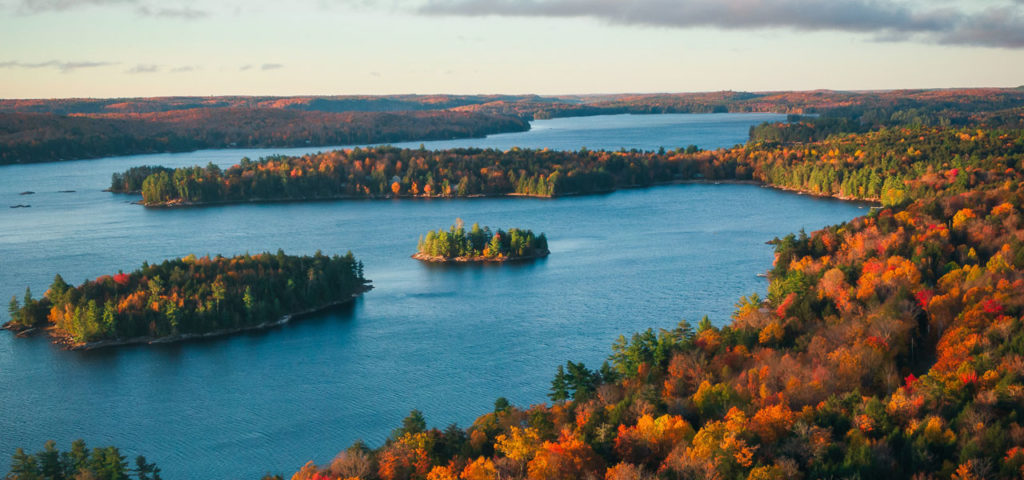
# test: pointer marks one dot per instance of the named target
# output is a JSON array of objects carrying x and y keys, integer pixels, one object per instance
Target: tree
[
  {"x": 14, "y": 310},
  {"x": 412, "y": 424},
  {"x": 494, "y": 246},
  {"x": 23, "y": 466},
  {"x": 146, "y": 471},
  {"x": 559, "y": 386},
  {"x": 50, "y": 465},
  {"x": 501, "y": 405}
]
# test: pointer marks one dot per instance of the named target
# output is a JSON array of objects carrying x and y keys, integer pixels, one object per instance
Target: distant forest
[
  {"x": 42, "y": 137},
  {"x": 64, "y": 129}
]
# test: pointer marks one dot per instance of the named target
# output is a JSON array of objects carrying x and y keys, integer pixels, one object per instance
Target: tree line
[{"x": 79, "y": 463}]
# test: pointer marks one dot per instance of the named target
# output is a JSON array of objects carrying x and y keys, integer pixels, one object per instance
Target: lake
[{"x": 445, "y": 340}]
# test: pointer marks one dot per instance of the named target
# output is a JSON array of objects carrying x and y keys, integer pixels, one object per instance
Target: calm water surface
[{"x": 447, "y": 341}]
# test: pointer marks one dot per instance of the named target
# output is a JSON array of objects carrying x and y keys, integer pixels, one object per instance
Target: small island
[
  {"x": 480, "y": 245},
  {"x": 188, "y": 298}
]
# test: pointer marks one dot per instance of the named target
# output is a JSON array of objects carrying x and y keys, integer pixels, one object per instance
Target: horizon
[
  {"x": 140, "y": 49},
  {"x": 503, "y": 94}
]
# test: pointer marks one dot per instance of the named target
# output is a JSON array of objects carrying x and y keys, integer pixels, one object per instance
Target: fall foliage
[
  {"x": 890, "y": 346},
  {"x": 189, "y": 295}
]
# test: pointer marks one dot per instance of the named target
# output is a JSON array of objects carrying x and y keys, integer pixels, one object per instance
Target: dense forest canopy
[
  {"x": 481, "y": 243},
  {"x": 189, "y": 295},
  {"x": 891, "y": 346}
]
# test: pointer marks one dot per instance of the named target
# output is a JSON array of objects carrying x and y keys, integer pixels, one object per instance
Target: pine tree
[
  {"x": 49, "y": 461},
  {"x": 23, "y": 466},
  {"x": 559, "y": 386},
  {"x": 14, "y": 309}
]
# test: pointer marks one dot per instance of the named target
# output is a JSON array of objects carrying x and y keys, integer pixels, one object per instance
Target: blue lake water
[{"x": 445, "y": 340}]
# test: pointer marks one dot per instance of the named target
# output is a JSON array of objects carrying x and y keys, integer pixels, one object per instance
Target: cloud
[
  {"x": 63, "y": 67},
  {"x": 143, "y": 69},
  {"x": 244, "y": 68},
  {"x": 271, "y": 66},
  {"x": 992, "y": 25},
  {"x": 179, "y": 13},
  {"x": 184, "y": 69},
  {"x": 39, "y": 6},
  {"x": 172, "y": 12}
]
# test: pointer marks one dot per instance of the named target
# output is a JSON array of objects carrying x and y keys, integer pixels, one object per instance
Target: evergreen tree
[
  {"x": 559, "y": 386},
  {"x": 50, "y": 465},
  {"x": 412, "y": 424},
  {"x": 23, "y": 466}
]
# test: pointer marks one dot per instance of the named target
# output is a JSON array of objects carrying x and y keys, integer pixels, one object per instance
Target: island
[
  {"x": 190, "y": 297},
  {"x": 480, "y": 245}
]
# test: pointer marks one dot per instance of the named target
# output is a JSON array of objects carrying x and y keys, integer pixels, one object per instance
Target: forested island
[
  {"x": 873, "y": 167},
  {"x": 480, "y": 245},
  {"x": 38, "y": 130},
  {"x": 891, "y": 346},
  {"x": 100, "y": 463},
  {"x": 190, "y": 297}
]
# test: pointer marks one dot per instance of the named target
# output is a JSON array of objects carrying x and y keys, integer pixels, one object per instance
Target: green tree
[
  {"x": 559, "y": 386},
  {"x": 414, "y": 423},
  {"x": 23, "y": 466},
  {"x": 146, "y": 471},
  {"x": 50, "y": 465}
]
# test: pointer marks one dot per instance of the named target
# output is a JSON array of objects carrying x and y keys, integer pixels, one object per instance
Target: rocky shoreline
[{"x": 478, "y": 259}]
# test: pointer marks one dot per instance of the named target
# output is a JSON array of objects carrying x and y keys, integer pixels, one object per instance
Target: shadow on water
[
  {"x": 511, "y": 265},
  {"x": 171, "y": 352}
]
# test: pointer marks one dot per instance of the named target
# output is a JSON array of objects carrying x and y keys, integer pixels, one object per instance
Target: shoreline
[
  {"x": 183, "y": 204},
  {"x": 479, "y": 259},
  {"x": 66, "y": 344}
]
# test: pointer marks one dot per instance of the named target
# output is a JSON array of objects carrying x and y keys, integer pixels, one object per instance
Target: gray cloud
[
  {"x": 38, "y": 6},
  {"x": 244, "y": 68},
  {"x": 143, "y": 69},
  {"x": 63, "y": 67},
  {"x": 183, "y": 69},
  {"x": 183, "y": 12},
  {"x": 271, "y": 66},
  {"x": 179, "y": 13},
  {"x": 993, "y": 26},
  {"x": 1003, "y": 27}
]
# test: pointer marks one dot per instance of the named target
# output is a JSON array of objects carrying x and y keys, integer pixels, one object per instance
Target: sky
[{"x": 133, "y": 48}]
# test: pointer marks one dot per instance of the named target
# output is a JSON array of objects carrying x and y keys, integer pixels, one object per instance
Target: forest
[
  {"x": 869, "y": 166},
  {"x": 37, "y": 130},
  {"x": 890, "y": 346},
  {"x": 480, "y": 244},
  {"x": 79, "y": 463},
  {"x": 189, "y": 296},
  {"x": 46, "y": 137}
]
